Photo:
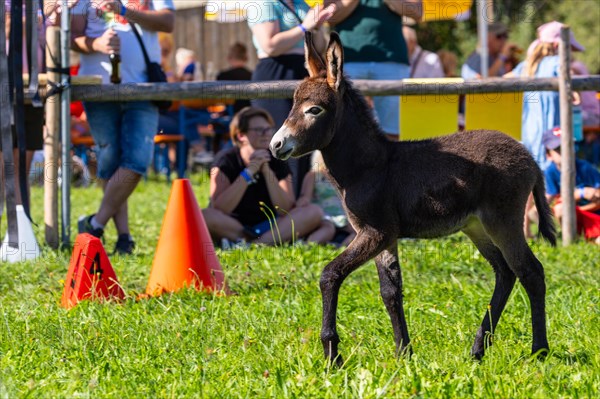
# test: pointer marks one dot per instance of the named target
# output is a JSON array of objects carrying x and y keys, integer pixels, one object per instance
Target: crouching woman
[{"x": 251, "y": 195}]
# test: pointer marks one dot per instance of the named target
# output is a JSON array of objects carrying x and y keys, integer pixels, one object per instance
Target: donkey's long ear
[
  {"x": 335, "y": 62},
  {"x": 314, "y": 61}
]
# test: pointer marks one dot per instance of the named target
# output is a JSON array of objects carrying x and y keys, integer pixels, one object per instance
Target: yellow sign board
[
  {"x": 428, "y": 115},
  {"x": 496, "y": 111}
]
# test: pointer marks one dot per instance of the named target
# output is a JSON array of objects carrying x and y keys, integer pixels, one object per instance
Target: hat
[
  {"x": 550, "y": 33},
  {"x": 497, "y": 28},
  {"x": 551, "y": 138}
]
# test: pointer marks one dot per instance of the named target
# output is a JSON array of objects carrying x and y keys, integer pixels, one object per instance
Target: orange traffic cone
[
  {"x": 185, "y": 255},
  {"x": 90, "y": 274}
]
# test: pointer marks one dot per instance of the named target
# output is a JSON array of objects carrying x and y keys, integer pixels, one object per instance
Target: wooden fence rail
[{"x": 285, "y": 89}]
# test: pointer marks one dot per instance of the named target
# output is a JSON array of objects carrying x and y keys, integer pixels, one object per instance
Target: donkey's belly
[{"x": 432, "y": 228}]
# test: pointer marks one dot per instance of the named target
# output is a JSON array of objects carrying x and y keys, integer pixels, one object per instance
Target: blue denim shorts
[{"x": 124, "y": 135}]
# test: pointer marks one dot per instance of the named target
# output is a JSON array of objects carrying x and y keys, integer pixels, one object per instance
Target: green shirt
[{"x": 373, "y": 33}]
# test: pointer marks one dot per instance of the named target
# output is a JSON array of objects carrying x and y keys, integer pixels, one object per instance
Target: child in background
[
  {"x": 317, "y": 189},
  {"x": 587, "y": 188}
]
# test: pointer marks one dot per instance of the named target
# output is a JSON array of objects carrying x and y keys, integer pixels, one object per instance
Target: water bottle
[
  {"x": 115, "y": 62},
  {"x": 577, "y": 123}
]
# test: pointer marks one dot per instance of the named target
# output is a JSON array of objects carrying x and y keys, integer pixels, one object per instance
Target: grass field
[{"x": 264, "y": 342}]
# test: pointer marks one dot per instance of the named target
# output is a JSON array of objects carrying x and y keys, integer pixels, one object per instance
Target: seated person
[
  {"x": 248, "y": 187},
  {"x": 317, "y": 189},
  {"x": 587, "y": 188}
]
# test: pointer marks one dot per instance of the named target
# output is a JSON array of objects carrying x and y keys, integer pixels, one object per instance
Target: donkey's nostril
[{"x": 277, "y": 145}]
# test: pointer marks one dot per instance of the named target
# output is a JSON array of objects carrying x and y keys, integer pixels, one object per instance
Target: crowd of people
[{"x": 255, "y": 198}]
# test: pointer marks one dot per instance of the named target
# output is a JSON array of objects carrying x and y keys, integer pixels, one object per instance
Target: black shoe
[
  {"x": 125, "y": 245},
  {"x": 84, "y": 225}
]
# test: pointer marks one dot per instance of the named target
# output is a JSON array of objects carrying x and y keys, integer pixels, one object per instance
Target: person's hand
[
  {"x": 302, "y": 201},
  {"x": 317, "y": 16},
  {"x": 53, "y": 9},
  {"x": 257, "y": 160},
  {"x": 508, "y": 49},
  {"x": 108, "y": 43},
  {"x": 591, "y": 194},
  {"x": 57, "y": 4},
  {"x": 111, "y": 6}
]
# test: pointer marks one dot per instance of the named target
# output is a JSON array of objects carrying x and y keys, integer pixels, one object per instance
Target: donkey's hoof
[
  {"x": 337, "y": 361},
  {"x": 540, "y": 354},
  {"x": 405, "y": 351},
  {"x": 477, "y": 353}
]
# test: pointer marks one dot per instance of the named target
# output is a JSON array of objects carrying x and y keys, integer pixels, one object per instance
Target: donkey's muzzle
[{"x": 282, "y": 144}]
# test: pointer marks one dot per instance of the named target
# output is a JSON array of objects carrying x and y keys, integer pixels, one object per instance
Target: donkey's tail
[{"x": 546, "y": 225}]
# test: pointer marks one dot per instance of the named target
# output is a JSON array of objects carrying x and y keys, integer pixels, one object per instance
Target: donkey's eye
[{"x": 314, "y": 110}]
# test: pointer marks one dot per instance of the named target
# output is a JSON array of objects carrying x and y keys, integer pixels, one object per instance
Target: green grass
[{"x": 264, "y": 342}]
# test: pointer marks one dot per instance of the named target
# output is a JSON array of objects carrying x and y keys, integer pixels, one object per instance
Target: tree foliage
[{"x": 522, "y": 18}]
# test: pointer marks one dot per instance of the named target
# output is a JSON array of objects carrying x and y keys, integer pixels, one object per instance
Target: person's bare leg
[
  {"x": 220, "y": 225},
  {"x": 301, "y": 221},
  {"x": 118, "y": 188},
  {"x": 121, "y": 219},
  {"x": 324, "y": 234},
  {"x": 527, "y": 219}
]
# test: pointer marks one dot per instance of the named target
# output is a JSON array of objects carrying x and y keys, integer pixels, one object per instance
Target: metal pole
[
  {"x": 567, "y": 164},
  {"x": 65, "y": 124},
  {"x": 482, "y": 25},
  {"x": 51, "y": 141}
]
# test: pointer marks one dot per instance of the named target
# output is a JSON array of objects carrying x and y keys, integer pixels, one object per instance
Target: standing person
[
  {"x": 188, "y": 67},
  {"x": 541, "y": 109},
  {"x": 374, "y": 47},
  {"x": 279, "y": 40},
  {"x": 423, "y": 63},
  {"x": 449, "y": 62},
  {"x": 237, "y": 58},
  {"x": 123, "y": 131},
  {"x": 500, "y": 50},
  {"x": 167, "y": 45},
  {"x": 247, "y": 184}
]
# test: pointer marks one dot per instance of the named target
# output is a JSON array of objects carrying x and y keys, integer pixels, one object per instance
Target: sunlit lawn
[{"x": 264, "y": 342}]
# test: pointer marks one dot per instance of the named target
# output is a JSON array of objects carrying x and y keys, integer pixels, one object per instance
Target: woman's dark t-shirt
[{"x": 248, "y": 210}]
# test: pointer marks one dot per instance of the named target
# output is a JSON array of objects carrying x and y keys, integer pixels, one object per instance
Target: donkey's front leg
[
  {"x": 390, "y": 286},
  {"x": 365, "y": 246}
]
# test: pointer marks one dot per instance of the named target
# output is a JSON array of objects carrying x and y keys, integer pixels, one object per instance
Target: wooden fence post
[
  {"x": 51, "y": 143},
  {"x": 567, "y": 147}
]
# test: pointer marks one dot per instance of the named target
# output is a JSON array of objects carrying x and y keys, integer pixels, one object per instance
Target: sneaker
[
  {"x": 125, "y": 245},
  {"x": 227, "y": 245},
  {"x": 84, "y": 225}
]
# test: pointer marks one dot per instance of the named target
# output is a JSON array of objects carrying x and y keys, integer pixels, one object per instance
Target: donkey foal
[{"x": 477, "y": 182}]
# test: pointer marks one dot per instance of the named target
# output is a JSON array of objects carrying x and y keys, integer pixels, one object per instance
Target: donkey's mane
[{"x": 357, "y": 106}]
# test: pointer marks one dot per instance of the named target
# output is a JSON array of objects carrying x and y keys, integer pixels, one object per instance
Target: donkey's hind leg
[
  {"x": 390, "y": 286},
  {"x": 510, "y": 238},
  {"x": 505, "y": 281}
]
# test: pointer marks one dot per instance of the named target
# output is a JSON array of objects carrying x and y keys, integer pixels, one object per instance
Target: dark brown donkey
[{"x": 477, "y": 182}]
